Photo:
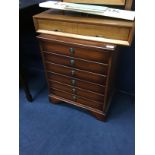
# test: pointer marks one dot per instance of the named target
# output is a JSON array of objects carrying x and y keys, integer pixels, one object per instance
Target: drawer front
[
  {"x": 77, "y": 52},
  {"x": 76, "y": 63},
  {"x": 88, "y": 76},
  {"x": 76, "y": 91},
  {"x": 105, "y": 31},
  {"x": 77, "y": 99},
  {"x": 76, "y": 82},
  {"x": 110, "y": 29},
  {"x": 60, "y": 26}
]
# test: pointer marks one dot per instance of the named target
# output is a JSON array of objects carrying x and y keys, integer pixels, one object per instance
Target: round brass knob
[
  {"x": 74, "y": 97},
  {"x": 72, "y": 62},
  {"x": 73, "y": 82},
  {"x": 74, "y": 90},
  {"x": 72, "y": 50},
  {"x": 73, "y": 72}
]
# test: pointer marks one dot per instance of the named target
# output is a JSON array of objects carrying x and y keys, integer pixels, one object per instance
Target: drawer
[
  {"x": 107, "y": 30},
  {"x": 76, "y": 82},
  {"x": 76, "y": 73},
  {"x": 76, "y": 63},
  {"x": 104, "y": 31},
  {"x": 79, "y": 100},
  {"x": 86, "y": 53},
  {"x": 76, "y": 91},
  {"x": 60, "y": 26}
]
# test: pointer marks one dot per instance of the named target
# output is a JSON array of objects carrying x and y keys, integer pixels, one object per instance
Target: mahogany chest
[{"x": 80, "y": 57}]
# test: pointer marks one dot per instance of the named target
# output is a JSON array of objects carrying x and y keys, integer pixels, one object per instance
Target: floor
[{"x": 48, "y": 129}]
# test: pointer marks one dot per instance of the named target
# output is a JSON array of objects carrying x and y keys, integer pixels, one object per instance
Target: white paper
[{"x": 90, "y": 9}]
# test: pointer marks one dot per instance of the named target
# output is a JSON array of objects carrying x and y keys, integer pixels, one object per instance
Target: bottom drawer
[
  {"x": 77, "y": 91},
  {"x": 78, "y": 99}
]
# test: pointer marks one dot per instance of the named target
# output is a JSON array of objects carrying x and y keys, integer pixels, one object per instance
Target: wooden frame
[
  {"x": 126, "y": 3},
  {"x": 111, "y": 2}
]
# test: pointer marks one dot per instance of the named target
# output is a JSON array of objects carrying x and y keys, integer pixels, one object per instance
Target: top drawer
[{"x": 86, "y": 53}]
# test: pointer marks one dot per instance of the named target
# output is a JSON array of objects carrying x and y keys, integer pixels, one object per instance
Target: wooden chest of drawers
[
  {"x": 79, "y": 53},
  {"x": 79, "y": 72}
]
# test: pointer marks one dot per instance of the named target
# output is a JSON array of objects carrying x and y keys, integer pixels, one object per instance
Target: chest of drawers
[
  {"x": 79, "y": 52},
  {"x": 79, "y": 72}
]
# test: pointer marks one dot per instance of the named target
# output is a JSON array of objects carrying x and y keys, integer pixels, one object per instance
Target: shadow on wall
[{"x": 125, "y": 77}]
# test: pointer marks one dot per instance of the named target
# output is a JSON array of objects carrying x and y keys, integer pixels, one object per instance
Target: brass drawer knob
[
  {"x": 73, "y": 82},
  {"x": 74, "y": 90},
  {"x": 73, "y": 72},
  {"x": 74, "y": 97},
  {"x": 72, "y": 62},
  {"x": 72, "y": 50}
]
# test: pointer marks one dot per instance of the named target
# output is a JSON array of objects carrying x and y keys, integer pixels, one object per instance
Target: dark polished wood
[
  {"x": 74, "y": 72},
  {"x": 78, "y": 99},
  {"x": 77, "y": 91},
  {"x": 84, "y": 44},
  {"x": 76, "y": 82},
  {"x": 72, "y": 61},
  {"x": 99, "y": 116},
  {"x": 79, "y": 73},
  {"x": 93, "y": 53},
  {"x": 96, "y": 113},
  {"x": 54, "y": 100}
]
